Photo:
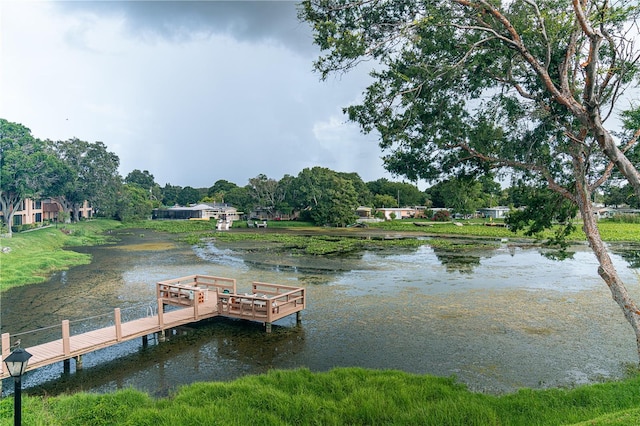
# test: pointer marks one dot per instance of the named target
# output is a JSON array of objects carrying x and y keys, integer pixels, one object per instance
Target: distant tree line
[{"x": 73, "y": 171}]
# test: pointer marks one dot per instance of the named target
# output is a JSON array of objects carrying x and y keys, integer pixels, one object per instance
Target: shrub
[
  {"x": 442, "y": 216},
  {"x": 625, "y": 218}
]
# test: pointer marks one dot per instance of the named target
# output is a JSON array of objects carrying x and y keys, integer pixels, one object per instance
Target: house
[
  {"x": 364, "y": 212},
  {"x": 31, "y": 212},
  {"x": 603, "y": 212},
  {"x": 397, "y": 212},
  {"x": 494, "y": 212},
  {"x": 198, "y": 212}
]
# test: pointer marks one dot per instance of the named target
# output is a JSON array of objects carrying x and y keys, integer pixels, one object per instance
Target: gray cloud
[{"x": 250, "y": 21}]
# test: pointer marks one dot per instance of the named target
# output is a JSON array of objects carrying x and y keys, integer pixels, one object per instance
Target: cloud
[
  {"x": 180, "y": 21},
  {"x": 192, "y": 92}
]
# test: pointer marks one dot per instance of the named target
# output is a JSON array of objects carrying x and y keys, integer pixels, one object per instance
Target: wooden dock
[{"x": 197, "y": 297}]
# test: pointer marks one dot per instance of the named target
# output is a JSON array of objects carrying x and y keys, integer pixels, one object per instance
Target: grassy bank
[
  {"x": 351, "y": 396},
  {"x": 610, "y": 231},
  {"x": 30, "y": 257}
]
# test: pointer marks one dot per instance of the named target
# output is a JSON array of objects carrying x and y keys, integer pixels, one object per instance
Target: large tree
[
  {"x": 27, "y": 170},
  {"x": 219, "y": 189},
  {"x": 146, "y": 181},
  {"x": 326, "y": 197},
  {"x": 265, "y": 192},
  {"x": 94, "y": 175},
  {"x": 189, "y": 195},
  {"x": 474, "y": 85},
  {"x": 405, "y": 194},
  {"x": 170, "y": 194},
  {"x": 133, "y": 203}
]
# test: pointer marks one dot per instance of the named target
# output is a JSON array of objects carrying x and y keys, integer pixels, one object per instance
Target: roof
[
  {"x": 498, "y": 208},
  {"x": 201, "y": 206}
]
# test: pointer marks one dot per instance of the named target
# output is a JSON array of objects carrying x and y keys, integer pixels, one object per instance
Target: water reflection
[
  {"x": 629, "y": 252},
  {"x": 498, "y": 318},
  {"x": 463, "y": 263},
  {"x": 211, "y": 351}
]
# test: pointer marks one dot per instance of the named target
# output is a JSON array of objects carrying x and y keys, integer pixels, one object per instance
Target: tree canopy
[
  {"x": 326, "y": 197},
  {"x": 27, "y": 170},
  {"x": 463, "y": 87},
  {"x": 93, "y": 175}
]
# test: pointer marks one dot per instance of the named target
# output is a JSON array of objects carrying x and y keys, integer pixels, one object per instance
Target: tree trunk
[
  {"x": 9, "y": 203},
  {"x": 67, "y": 208},
  {"x": 7, "y": 214},
  {"x": 606, "y": 269}
]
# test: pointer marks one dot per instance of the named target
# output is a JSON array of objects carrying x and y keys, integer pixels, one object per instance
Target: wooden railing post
[
  {"x": 6, "y": 346},
  {"x": 66, "y": 344},
  {"x": 160, "y": 314},
  {"x": 118, "y": 322},
  {"x": 195, "y": 304}
]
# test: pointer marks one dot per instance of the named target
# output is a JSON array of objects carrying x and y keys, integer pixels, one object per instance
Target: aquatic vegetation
[{"x": 316, "y": 244}]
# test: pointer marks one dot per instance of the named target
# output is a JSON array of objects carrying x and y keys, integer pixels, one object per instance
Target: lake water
[{"x": 497, "y": 319}]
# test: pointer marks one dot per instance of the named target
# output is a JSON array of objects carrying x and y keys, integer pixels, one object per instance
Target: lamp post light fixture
[{"x": 16, "y": 364}]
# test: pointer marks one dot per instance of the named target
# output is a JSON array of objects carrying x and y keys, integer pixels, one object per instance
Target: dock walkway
[{"x": 196, "y": 298}]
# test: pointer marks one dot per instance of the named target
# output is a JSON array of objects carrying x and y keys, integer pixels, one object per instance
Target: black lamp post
[{"x": 17, "y": 365}]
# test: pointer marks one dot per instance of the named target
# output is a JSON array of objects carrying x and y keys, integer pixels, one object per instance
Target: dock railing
[
  {"x": 204, "y": 281},
  {"x": 193, "y": 289},
  {"x": 285, "y": 300},
  {"x": 266, "y": 303}
]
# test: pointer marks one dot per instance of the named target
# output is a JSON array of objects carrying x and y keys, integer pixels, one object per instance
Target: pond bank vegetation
[{"x": 341, "y": 396}]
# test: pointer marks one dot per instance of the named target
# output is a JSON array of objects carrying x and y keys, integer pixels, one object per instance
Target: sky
[{"x": 193, "y": 92}]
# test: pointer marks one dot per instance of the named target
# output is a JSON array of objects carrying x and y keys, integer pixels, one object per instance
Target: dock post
[
  {"x": 6, "y": 348},
  {"x": 78, "y": 362},
  {"x": 66, "y": 366},
  {"x": 160, "y": 314},
  {"x": 4, "y": 352},
  {"x": 299, "y": 318},
  {"x": 161, "y": 335},
  {"x": 66, "y": 344},
  {"x": 268, "y": 326},
  {"x": 118, "y": 322},
  {"x": 145, "y": 341}
]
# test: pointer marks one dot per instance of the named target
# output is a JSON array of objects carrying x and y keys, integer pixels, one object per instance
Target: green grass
[
  {"x": 32, "y": 256},
  {"x": 610, "y": 231},
  {"x": 352, "y": 396}
]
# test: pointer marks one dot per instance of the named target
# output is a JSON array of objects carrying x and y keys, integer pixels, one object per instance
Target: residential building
[
  {"x": 494, "y": 212},
  {"x": 198, "y": 212},
  {"x": 40, "y": 211}
]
